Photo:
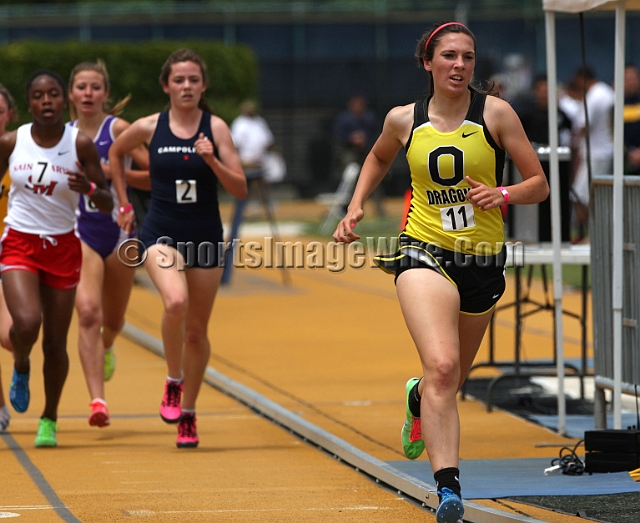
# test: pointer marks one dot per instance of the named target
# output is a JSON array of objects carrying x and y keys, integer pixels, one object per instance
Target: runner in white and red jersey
[{"x": 49, "y": 164}]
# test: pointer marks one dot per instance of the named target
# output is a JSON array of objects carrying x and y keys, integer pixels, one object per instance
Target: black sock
[
  {"x": 449, "y": 478},
  {"x": 414, "y": 400}
]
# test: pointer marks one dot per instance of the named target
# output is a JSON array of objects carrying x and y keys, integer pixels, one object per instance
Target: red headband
[{"x": 438, "y": 29}]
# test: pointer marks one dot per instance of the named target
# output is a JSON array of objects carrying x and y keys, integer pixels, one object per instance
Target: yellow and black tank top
[{"x": 439, "y": 162}]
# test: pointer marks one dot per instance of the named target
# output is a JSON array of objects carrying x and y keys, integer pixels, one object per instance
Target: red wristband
[
  {"x": 126, "y": 208},
  {"x": 505, "y": 194},
  {"x": 92, "y": 188}
]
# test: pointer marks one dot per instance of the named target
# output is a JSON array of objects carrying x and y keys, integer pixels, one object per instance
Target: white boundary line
[{"x": 381, "y": 471}]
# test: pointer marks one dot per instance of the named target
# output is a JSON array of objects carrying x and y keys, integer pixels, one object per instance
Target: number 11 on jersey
[{"x": 457, "y": 217}]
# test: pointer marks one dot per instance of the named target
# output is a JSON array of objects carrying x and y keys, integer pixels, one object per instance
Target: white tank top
[{"x": 40, "y": 200}]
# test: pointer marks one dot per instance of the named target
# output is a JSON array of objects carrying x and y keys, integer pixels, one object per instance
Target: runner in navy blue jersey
[{"x": 190, "y": 152}]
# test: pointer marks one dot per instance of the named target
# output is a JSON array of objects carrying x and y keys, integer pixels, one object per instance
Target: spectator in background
[
  {"x": 598, "y": 156},
  {"x": 632, "y": 118},
  {"x": 252, "y": 138},
  {"x": 535, "y": 121},
  {"x": 355, "y": 130},
  {"x": 570, "y": 100}
]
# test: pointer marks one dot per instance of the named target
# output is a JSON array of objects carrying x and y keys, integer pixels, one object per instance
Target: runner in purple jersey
[
  {"x": 105, "y": 282},
  {"x": 98, "y": 230}
]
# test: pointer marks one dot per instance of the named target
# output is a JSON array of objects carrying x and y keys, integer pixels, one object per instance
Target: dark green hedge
[{"x": 134, "y": 68}]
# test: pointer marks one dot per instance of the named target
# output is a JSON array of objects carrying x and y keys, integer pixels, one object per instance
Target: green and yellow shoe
[
  {"x": 46, "y": 436},
  {"x": 109, "y": 363},
  {"x": 412, "y": 443}
]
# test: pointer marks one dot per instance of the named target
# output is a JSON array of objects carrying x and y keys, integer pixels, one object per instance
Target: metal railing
[{"x": 601, "y": 226}]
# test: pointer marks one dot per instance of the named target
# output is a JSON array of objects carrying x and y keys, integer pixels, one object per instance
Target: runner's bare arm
[
  {"x": 226, "y": 166},
  {"x": 7, "y": 144},
  {"x": 138, "y": 178},
  {"x": 138, "y": 134}
]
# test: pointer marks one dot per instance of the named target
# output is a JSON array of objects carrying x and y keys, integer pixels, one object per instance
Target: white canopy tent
[{"x": 577, "y": 6}]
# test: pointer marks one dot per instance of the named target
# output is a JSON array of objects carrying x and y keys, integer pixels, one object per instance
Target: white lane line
[
  {"x": 28, "y": 507},
  {"x": 138, "y": 482},
  {"x": 6, "y": 511},
  {"x": 136, "y": 471},
  {"x": 145, "y": 513}
]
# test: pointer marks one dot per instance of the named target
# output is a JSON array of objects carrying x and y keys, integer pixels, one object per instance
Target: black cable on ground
[{"x": 568, "y": 462}]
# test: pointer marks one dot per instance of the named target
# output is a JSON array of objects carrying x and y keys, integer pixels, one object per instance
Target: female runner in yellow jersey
[
  {"x": 450, "y": 265},
  {"x": 7, "y": 114}
]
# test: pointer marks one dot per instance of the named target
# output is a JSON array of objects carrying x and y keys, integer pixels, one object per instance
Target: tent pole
[
  {"x": 554, "y": 175},
  {"x": 618, "y": 211}
]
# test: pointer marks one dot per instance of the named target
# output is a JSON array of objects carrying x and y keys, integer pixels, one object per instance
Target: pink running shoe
[
  {"x": 99, "y": 414},
  {"x": 170, "y": 406},
  {"x": 187, "y": 436}
]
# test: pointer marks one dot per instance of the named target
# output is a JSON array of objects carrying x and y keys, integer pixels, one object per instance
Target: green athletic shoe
[
  {"x": 109, "y": 364},
  {"x": 412, "y": 443},
  {"x": 46, "y": 436}
]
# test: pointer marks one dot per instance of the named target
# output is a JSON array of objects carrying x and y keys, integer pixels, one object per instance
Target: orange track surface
[{"x": 330, "y": 347}]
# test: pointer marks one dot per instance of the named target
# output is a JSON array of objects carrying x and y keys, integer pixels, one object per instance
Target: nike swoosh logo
[
  {"x": 103, "y": 143},
  {"x": 467, "y": 135},
  {"x": 60, "y": 153},
  {"x": 496, "y": 296}
]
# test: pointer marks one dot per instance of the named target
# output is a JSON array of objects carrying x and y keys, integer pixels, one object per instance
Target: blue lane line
[{"x": 39, "y": 479}]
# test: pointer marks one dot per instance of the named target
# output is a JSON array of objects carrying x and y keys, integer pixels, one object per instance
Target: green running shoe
[
  {"x": 412, "y": 443},
  {"x": 109, "y": 363},
  {"x": 46, "y": 436}
]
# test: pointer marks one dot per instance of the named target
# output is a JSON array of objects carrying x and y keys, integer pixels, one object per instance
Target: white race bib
[
  {"x": 89, "y": 206},
  {"x": 186, "y": 191},
  {"x": 457, "y": 217},
  {"x": 41, "y": 174}
]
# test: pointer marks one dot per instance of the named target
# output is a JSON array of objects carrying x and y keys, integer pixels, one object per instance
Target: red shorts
[{"x": 55, "y": 259}]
